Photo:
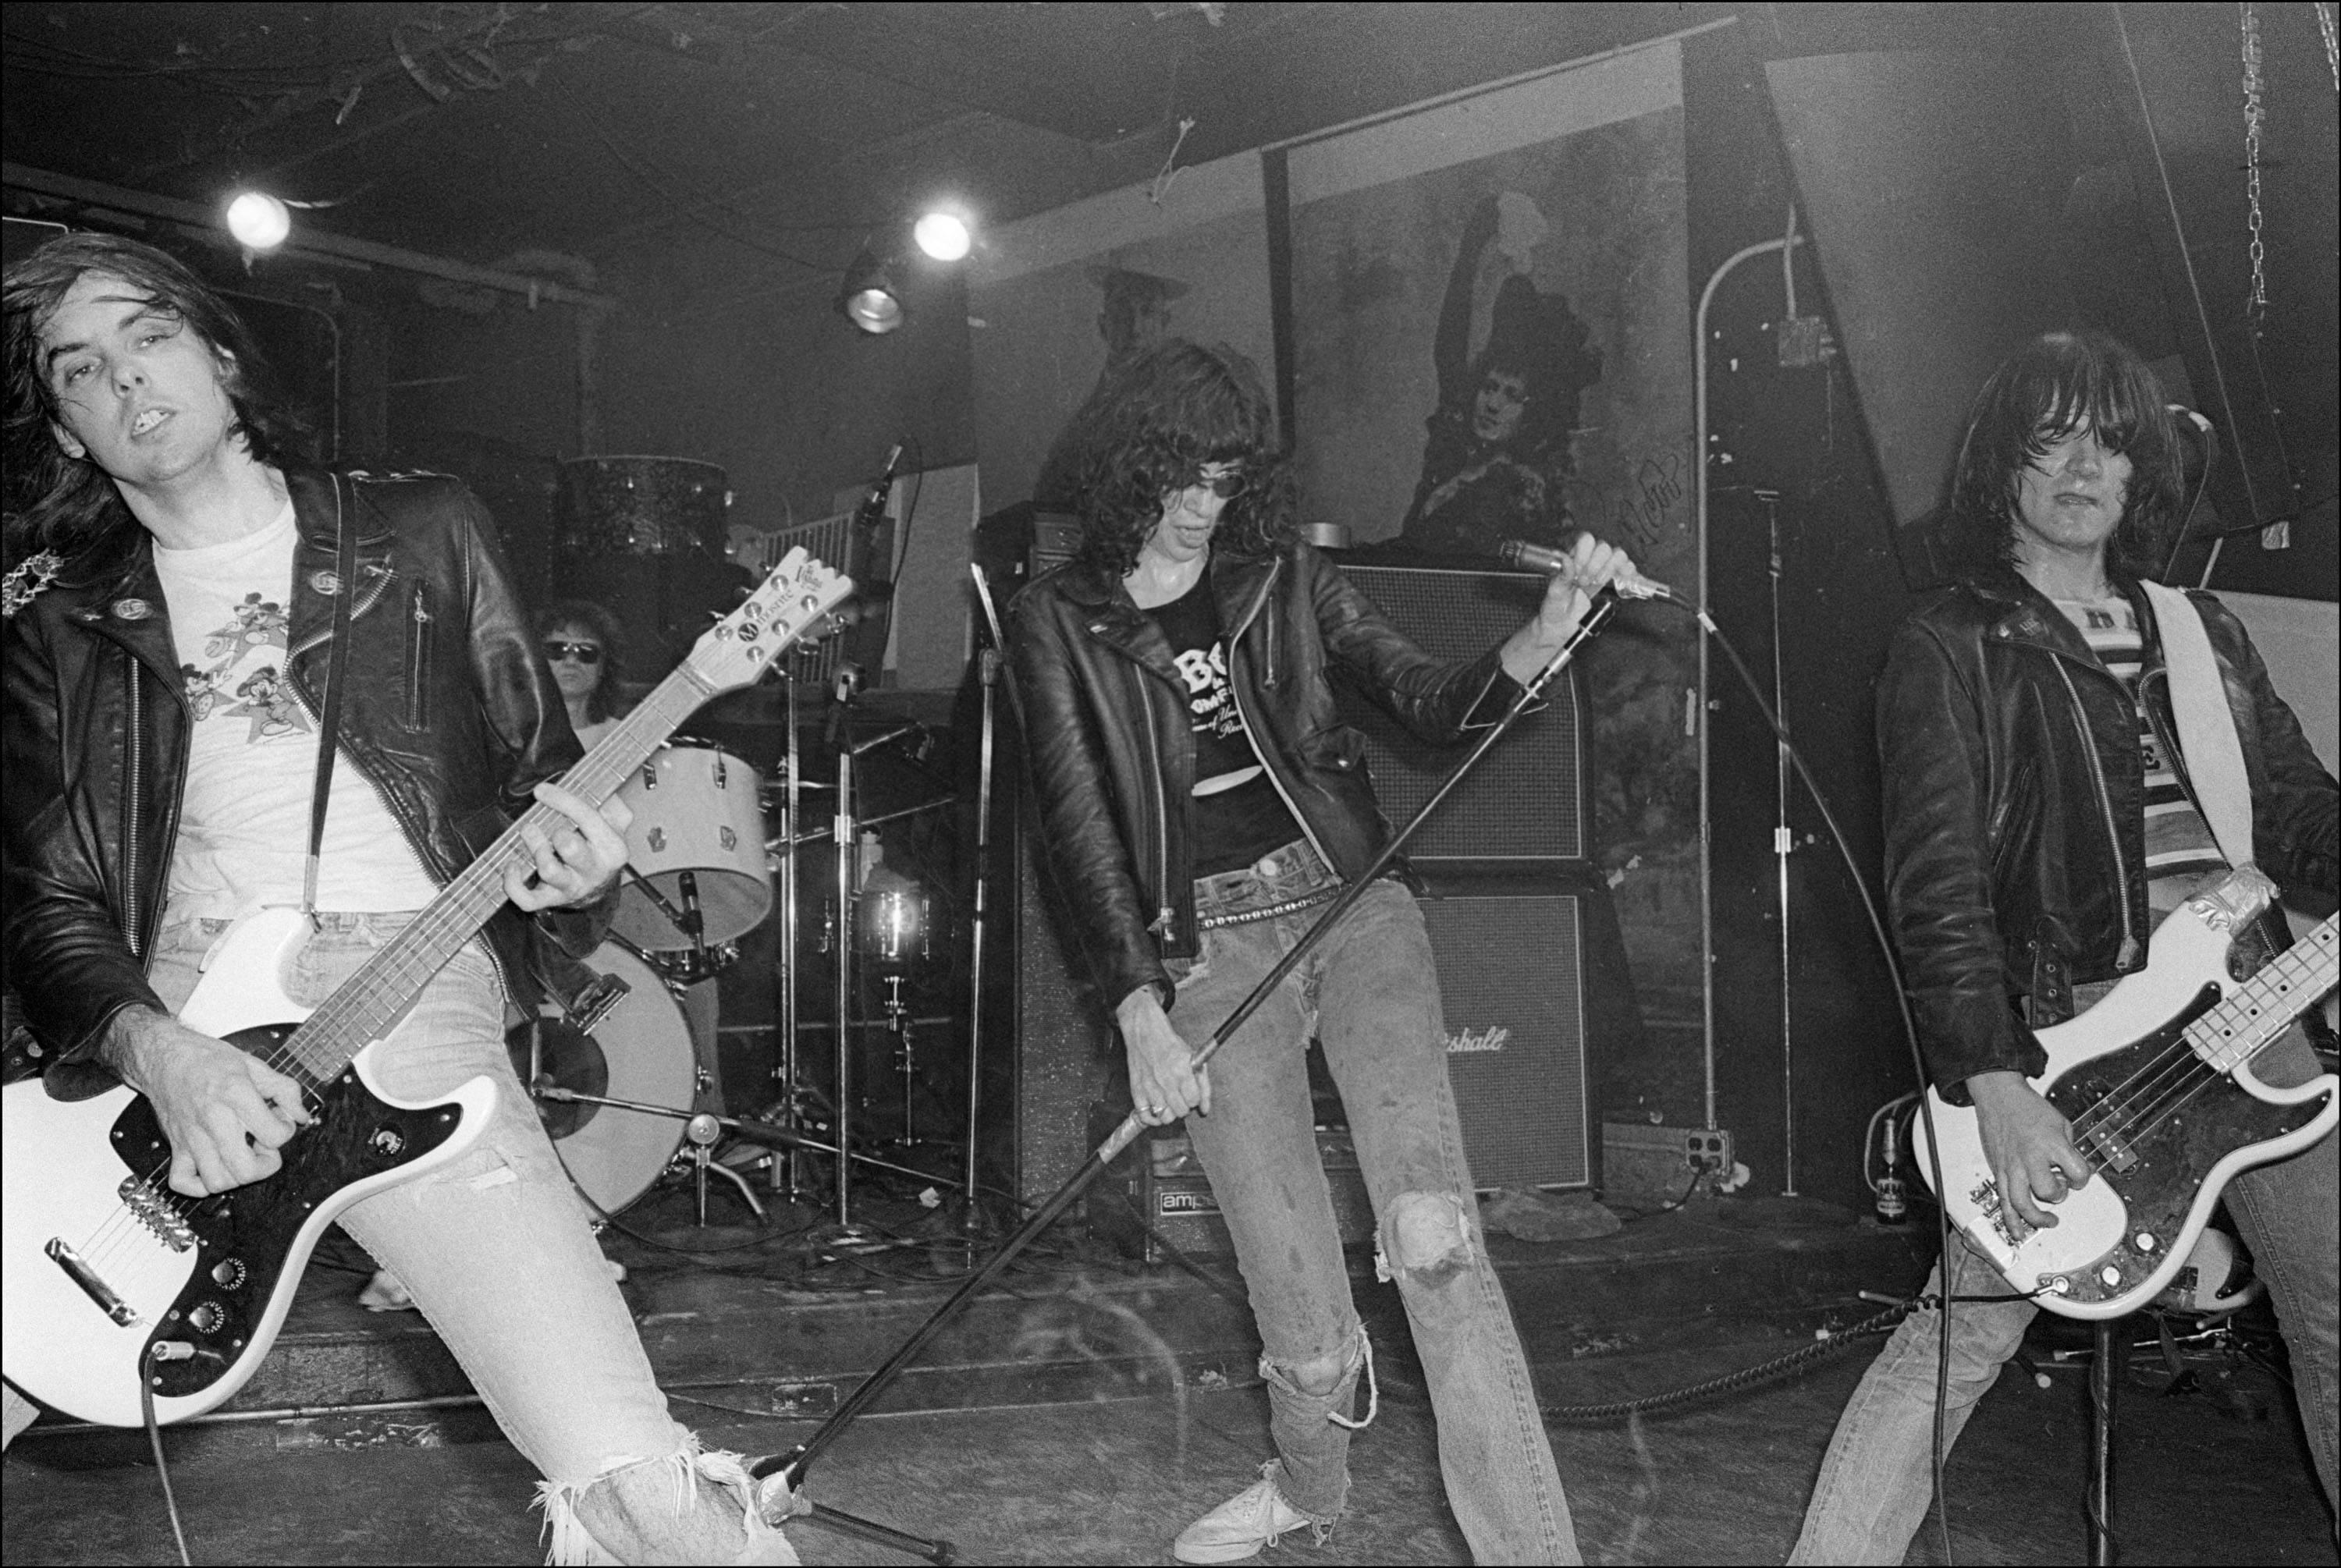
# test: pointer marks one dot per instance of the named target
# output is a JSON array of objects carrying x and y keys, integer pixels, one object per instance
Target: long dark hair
[
  {"x": 1180, "y": 407},
  {"x": 70, "y": 504},
  {"x": 608, "y": 698},
  {"x": 2039, "y": 396}
]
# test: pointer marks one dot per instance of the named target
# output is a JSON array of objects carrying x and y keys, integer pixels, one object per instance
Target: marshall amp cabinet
[
  {"x": 1513, "y": 981},
  {"x": 1525, "y": 804}
]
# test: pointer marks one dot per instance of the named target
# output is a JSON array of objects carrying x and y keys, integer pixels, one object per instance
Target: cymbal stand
[
  {"x": 848, "y": 849},
  {"x": 792, "y": 1465},
  {"x": 788, "y": 1173}
]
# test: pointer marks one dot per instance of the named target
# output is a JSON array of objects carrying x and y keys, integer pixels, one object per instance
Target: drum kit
[{"x": 626, "y": 1074}]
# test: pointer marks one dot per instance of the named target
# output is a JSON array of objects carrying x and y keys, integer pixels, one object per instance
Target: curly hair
[
  {"x": 70, "y": 504},
  {"x": 607, "y": 700},
  {"x": 2042, "y": 394},
  {"x": 1175, "y": 409}
]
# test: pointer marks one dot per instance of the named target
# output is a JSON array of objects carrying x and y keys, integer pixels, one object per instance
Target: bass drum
[{"x": 640, "y": 1050}]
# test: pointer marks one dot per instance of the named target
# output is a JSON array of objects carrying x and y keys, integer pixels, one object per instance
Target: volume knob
[
  {"x": 207, "y": 1318},
  {"x": 229, "y": 1274}
]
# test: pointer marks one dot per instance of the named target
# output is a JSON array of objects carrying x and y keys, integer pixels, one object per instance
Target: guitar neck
[
  {"x": 2264, "y": 1006},
  {"x": 363, "y": 1008}
]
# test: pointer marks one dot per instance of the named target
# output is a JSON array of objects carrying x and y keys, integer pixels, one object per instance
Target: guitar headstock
[{"x": 794, "y": 595}]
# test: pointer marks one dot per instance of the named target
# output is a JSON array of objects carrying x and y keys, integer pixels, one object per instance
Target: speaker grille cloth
[
  {"x": 1511, "y": 974},
  {"x": 1524, "y": 802}
]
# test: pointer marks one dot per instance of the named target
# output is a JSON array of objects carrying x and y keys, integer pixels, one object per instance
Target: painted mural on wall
[{"x": 1493, "y": 341}]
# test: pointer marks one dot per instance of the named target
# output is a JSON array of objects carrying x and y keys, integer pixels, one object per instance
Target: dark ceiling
[{"x": 472, "y": 130}]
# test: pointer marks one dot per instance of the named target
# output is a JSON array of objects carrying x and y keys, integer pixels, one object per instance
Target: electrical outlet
[{"x": 1644, "y": 1165}]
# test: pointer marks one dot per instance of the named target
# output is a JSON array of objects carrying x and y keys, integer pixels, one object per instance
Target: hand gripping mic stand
[{"x": 792, "y": 1465}]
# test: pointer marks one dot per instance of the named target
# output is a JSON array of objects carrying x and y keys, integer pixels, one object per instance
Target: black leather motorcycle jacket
[
  {"x": 1112, "y": 755},
  {"x": 448, "y": 713},
  {"x": 2014, "y": 821}
]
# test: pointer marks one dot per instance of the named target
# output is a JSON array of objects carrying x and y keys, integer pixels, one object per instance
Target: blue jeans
[
  {"x": 1876, "y": 1481},
  {"x": 1370, "y": 993},
  {"x": 496, "y": 1251}
]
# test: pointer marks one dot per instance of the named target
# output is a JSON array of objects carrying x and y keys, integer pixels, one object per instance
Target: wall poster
[{"x": 1491, "y": 340}]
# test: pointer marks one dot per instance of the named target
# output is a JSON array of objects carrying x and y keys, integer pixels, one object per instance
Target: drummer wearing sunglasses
[{"x": 580, "y": 642}]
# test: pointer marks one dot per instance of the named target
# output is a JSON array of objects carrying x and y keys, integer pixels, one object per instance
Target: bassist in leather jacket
[{"x": 2040, "y": 817}]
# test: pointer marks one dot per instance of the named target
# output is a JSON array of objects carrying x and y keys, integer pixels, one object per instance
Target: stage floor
[{"x": 1088, "y": 1407}]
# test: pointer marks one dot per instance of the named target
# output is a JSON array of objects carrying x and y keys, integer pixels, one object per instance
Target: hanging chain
[
  {"x": 2332, "y": 42},
  {"x": 2256, "y": 303}
]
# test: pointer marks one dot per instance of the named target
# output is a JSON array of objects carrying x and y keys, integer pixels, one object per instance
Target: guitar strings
[{"x": 389, "y": 980}]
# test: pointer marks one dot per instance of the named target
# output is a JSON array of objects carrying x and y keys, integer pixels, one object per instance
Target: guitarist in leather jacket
[
  {"x": 2040, "y": 820},
  {"x": 165, "y": 654},
  {"x": 1201, "y": 801}
]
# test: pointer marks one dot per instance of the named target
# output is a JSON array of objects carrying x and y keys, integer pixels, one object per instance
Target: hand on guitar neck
[
  {"x": 2030, "y": 1145},
  {"x": 226, "y": 1113}
]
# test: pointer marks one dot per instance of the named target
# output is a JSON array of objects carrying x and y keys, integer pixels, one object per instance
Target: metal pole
[
  {"x": 1706, "y": 830},
  {"x": 786, "y": 1170},
  {"x": 988, "y": 674},
  {"x": 841, "y": 829},
  {"x": 1783, "y": 844},
  {"x": 793, "y": 1464}
]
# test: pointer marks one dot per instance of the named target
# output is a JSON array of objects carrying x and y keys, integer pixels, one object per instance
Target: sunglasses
[
  {"x": 582, "y": 652},
  {"x": 1226, "y": 486}
]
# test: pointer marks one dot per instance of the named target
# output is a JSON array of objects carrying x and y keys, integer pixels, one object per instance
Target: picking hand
[
  {"x": 2030, "y": 1146},
  {"x": 225, "y": 1113}
]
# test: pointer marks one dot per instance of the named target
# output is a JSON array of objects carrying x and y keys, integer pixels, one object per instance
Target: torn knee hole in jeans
[
  {"x": 650, "y": 1503},
  {"x": 1425, "y": 1237}
]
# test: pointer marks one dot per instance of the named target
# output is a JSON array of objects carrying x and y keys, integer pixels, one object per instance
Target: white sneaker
[{"x": 1256, "y": 1517}]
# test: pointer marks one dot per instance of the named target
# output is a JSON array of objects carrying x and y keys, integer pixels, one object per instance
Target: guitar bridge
[
  {"x": 1985, "y": 1197},
  {"x": 153, "y": 1210}
]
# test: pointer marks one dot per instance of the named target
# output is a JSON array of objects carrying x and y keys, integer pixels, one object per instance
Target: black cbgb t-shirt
[{"x": 1239, "y": 815}]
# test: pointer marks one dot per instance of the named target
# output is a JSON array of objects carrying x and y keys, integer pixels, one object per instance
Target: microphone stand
[
  {"x": 792, "y": 1466},
  {"x": 971, "y": 1221}
]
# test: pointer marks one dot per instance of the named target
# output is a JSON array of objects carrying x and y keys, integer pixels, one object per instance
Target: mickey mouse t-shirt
[
  {"x": 244, "y": 823},
  {"x": 1239, "y": 815}
]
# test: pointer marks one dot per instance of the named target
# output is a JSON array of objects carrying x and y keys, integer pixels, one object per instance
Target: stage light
[
  {"x": 869, "y": 298},
  {"x": 258, "y": 221},
  {"x": 943, "y": 235}
]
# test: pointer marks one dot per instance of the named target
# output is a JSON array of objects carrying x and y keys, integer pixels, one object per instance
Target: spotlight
[
  {"x": 943, "y": 235},
  {"x": 869, "y": 299},
  {"x": 258, "y": 221}
]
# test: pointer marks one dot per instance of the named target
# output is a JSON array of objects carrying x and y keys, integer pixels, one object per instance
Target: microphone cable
[{"x": 1886, "y": 949}]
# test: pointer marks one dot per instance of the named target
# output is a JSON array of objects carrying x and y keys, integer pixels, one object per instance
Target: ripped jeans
[
  {"x": 496, "y": 1250},
  {"x": 1371, "y": 994}
]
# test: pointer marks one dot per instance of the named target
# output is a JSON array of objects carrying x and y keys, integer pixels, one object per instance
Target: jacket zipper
[
  {"x": 1251, "y": 731},
  {"x": 390, "y": 808},
  {"x": 2127, "y": 955},
  {"x": 418, "y": 657},
  {"x": 132, "y": 931},
  {"x": 1161, "y": 806}
]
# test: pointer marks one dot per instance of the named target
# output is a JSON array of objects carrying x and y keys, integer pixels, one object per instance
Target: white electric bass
[
  {"x": 2157, "y": 1084},
  {"x": 113, "y": 1280}
]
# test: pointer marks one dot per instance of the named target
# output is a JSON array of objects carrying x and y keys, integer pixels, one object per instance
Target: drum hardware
[
  {"x": 700, "y": 1129},
  {"x": 895, "y": 933}
]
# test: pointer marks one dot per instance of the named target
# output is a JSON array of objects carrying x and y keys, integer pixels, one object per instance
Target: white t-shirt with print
[{"x": 243, "y": 826}]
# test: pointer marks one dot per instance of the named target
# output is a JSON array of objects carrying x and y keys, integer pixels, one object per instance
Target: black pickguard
[
  {"x": 2167, "y": 1166},
  {"x": 246, "y": 1237}
]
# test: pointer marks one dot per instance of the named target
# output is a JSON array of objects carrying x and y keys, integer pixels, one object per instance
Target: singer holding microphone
[{"x": 1201, "y": 800}]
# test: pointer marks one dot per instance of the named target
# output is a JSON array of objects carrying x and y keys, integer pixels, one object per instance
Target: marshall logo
[{"x": 1490, "y": 1038}]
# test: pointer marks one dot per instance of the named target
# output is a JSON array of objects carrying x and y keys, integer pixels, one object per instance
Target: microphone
[
  {"x": 1529, "y": 557},
  {"x": 840, "y": 694},
  {"x": 873, "y": 505}
]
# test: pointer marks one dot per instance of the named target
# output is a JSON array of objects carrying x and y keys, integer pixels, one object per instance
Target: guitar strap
[
  {"x": 2206, "y": 725},
  {"x": 329, "y": 716}
]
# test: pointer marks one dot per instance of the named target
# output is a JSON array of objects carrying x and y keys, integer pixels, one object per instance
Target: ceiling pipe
[{"x": 92, "y": 193}]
